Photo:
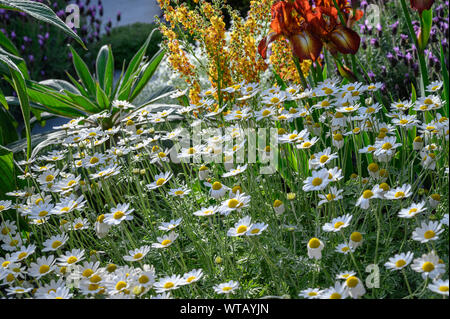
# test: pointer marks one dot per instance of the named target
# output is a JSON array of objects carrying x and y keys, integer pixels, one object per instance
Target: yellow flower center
[
  {"x": 22, "y": 255},
  {"x": 93, "y": 287},
  {"x": 226, "y": 288},
  {"x": 367, "y": 194},
  {"x": 338, "y": 225},
  {"x": 233, "y": 203},
  {"x": 386, "y": 146},
  {"x": 266, "y": 113},
  {"x": 43, "y": 269},
  {"x": 274, "y": 100},
  {"x": 323, "y": 159},
  {"x": 49, "y": 178},
  {"x": 137, "y": 256},
  {"x": 400, "y": 263},
  {"x": 335, "y": 295},
  {"x": 166, "y": 242},
  {"x": 352, "y": 282},
  {"x": 160, "y": 181},
  {"x": 191, "y": 278},
  {"x": 78, "y": 225},
  {"x": 143, "y": 279},
  {"x": 429, "y": 234},
  {"x": 241, "y": 229},
  {"x": 94, "y": 160},
  {"x": 121, "y": 285},
  {"x": 95, "y": 279},
  {"x": 43, "y": 213},
  {"x": 356, "y": 237},
  {"x": 373, "y": 167},
  {"x": 72, "y": 259},
  {"x": 5, "y": 230},
  {"x": 443, "y": 288},
  {"x": 399, "y": 194},
  {"x": 168, "y": 285},
  {"x": 317, "y": 181},
  {"x": 277, "y": 203},
  {"x": 428, "y": 266},
  {"x": 314, "y": 243},
  {"x": 87, "y": 272},
  {"x": 118, "y": 215}
]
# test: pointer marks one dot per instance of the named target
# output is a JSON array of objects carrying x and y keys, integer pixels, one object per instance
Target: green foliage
[
  {"x": 94, "y": 93},
  {"x": 126, "y": 40}
]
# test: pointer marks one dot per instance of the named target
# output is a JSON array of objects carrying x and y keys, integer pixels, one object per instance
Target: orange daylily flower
[
  {"x": 421, "y": 5},
  {"x": 308, "y": 28},
  {"x": 286, "y": 22}
]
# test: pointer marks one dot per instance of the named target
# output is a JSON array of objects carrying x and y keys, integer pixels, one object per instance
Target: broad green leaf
[
  {"x": 426, "y": 22},
  {"x": 83, "y": 72},
  {"x": 7, "y": 128},
  {"x": 49, "y": 103},
  {"x": 109, "y": 75},
  {"x": 7, "y": 177},
  {"x": 147, "y": 74},
  {"x": 445, "y": 79},
  {"x": 86, "y": 104},
  {"x": 100, "y": 65},
  {"x": 21, "y": 89},
  {"x": 9, "y": 47},
  {"x": 41, "y": 12},
  {"x": 133, "y": 67},
  {"x": 3, "y": 100},
  {"x": 102, "y": 99},
  {"x": 60, "y": 85}
]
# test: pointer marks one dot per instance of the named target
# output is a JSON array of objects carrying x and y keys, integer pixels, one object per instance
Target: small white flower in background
[
  {"x": 338, "y": 291},
  {"x": 310, "y": 293},
  {"x": 315, "y": 247},
  {"x": 355, "y": 287},
  {"x": 427, "y": 232},
  {"x": 137, "y": 254},
  {"x": 412, "y": 210},
  {"x": 168, "y": 283},
  {"x": 399, "y": 261},
  {"x": 71, "y": 257},
  {"x": 317, "y": 182},
  {"x": 356, "y": 240},
  {"x": 278, "y": 207},
  {"x": 118, "y": 214},
  {"x": 165, "y": 241},
  {"x": 159, "y": 180},
  {"x": 208, "y": 211},
  {"x": 344, "y": 249},
  {"x": 439, "y": 286},
  {"x": 401, "y": 192},
  {"x": 170, "y": 225},
  {"x": 192, "y": 276},
  {"x": 241, "y": 227},
  {"x": 227, "y": 287},
  {"x": 429, "y": 266},
  {"x": 338, "y": 223},
  {"x": 234, "y": 204}
]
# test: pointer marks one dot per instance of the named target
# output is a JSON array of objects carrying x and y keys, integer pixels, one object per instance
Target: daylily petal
[
  {"x": 345, "y": 40},
  {"x": 306, "y": 46},
  {"x": 421, "y": 5}
]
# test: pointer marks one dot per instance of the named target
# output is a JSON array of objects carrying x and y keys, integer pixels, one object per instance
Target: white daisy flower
[
  {"x": 427, "y": 232},
  {"x": 338, "y": 223}
]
